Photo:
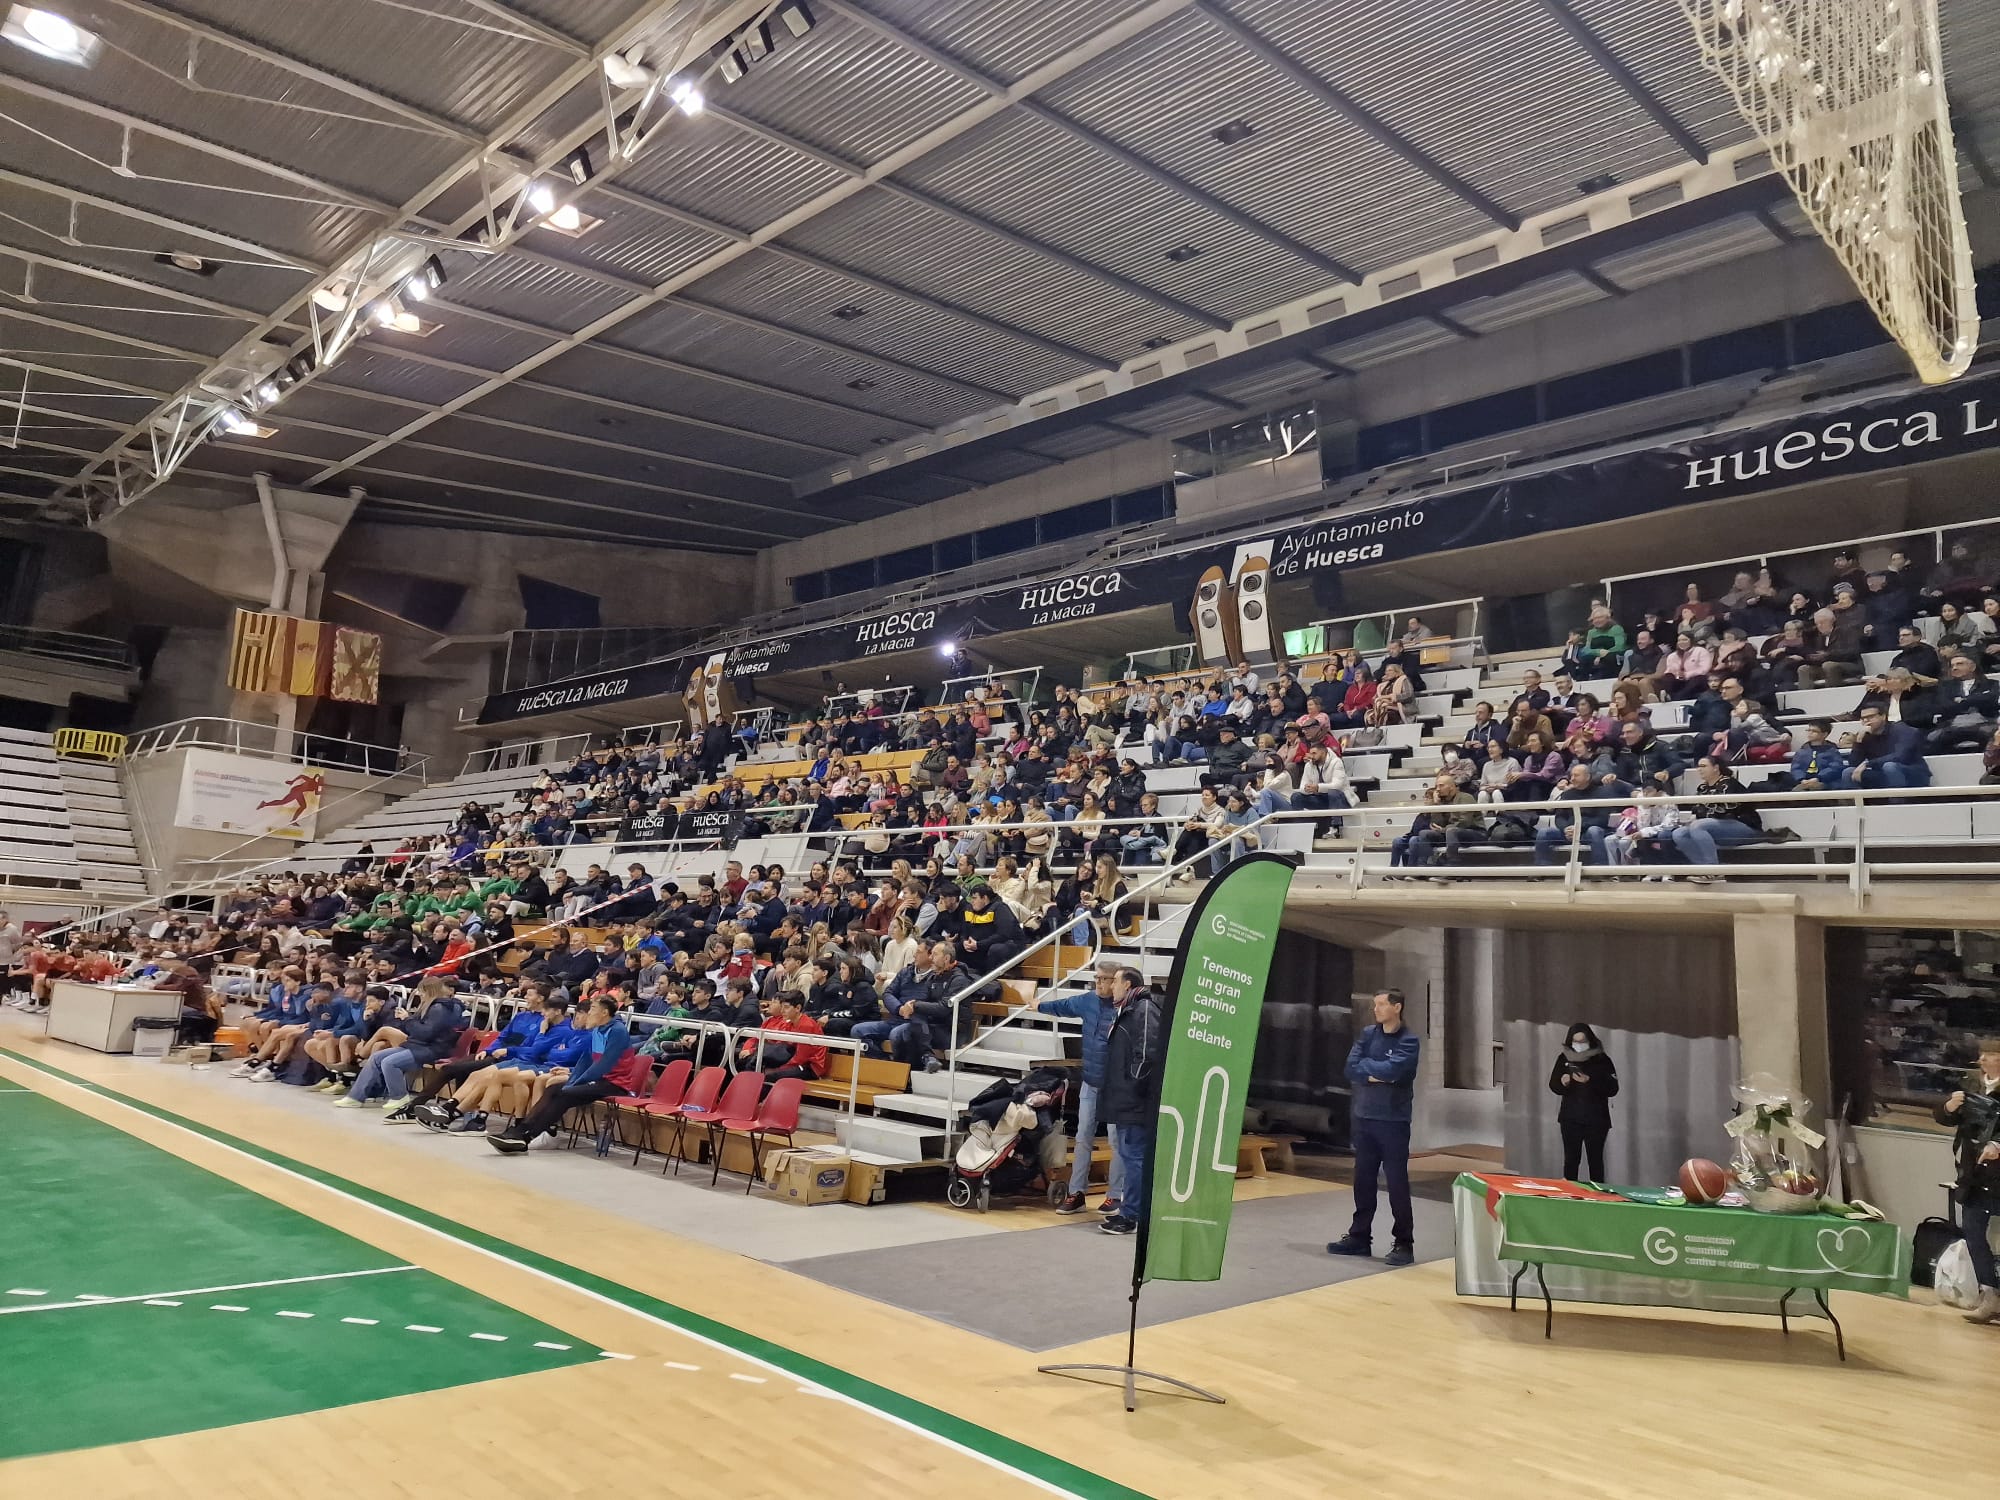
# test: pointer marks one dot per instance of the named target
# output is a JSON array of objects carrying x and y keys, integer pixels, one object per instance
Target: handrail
[
  {"x": 70, "y": 646},
  {"x": 1935, "y": 533},
  {"x": 244, "y": 737},
  {"x": 554, "y": 745}
]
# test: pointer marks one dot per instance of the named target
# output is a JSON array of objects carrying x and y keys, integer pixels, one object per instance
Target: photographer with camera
[{"x": 1975, "y": 1117}]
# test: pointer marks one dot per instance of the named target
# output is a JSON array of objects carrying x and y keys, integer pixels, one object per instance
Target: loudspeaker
[
  {"x": 1261, "y": 643},
  {"x": 1214, "y": 615},
  {"x": 718, "y": 691},
  {"x": 694, "y": 697}
]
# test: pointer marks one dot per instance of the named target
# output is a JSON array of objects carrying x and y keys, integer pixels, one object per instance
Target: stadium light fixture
[
  {"x": 687, "y": 98},
  {"x": 50, "y": 35},
  {"x": 797, "y": 17}
]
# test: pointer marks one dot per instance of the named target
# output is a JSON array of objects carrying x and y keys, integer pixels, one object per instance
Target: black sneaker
[
  {"x": 508, "y": 1144},
  {"x": 1347, "y": 1244},
  {"x": 1108, "y": 1206},
  {"x": 1117, "y": 1224},
  {"x": 1400, "y": 1255},
  {"x": 1073, "y": 1204}
]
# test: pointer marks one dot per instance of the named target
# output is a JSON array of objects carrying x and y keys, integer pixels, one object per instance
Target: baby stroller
[{"x": 1006, "y": 1126}]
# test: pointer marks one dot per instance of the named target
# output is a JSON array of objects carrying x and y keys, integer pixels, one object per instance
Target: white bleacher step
[
  {"x": 938, "y": 1085},
  {"x": 927, "y": 1108},
  {"x": 896, "y": 1140},
  {"x": 1009, "y": 1060}
]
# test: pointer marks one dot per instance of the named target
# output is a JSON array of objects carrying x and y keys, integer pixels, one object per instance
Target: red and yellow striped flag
[{"x": 273, "y": 653}]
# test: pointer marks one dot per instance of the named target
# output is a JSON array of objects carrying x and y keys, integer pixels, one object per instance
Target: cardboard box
[{"x": 807, "y": 1175}]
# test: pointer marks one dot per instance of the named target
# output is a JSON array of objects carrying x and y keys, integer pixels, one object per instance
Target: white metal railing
[
  {"x": 1937, "y": 536},
  {"x": 1389, "y": 618},
  {"x": 858, "y": 699},
  {"x": 955, "y": 690},
  {"x": 548, "y": 750},
  {"x": 242, "y": 737}
]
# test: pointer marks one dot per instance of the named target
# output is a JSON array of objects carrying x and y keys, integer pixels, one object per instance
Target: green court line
[
  {"x": 1032, "y": 1463},
  {"x": 90, "y": 1211}
]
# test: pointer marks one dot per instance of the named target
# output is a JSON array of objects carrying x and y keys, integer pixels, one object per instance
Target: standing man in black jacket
[
  {"x": 1135, "y": 1055},
  {"x": 1973, "y": 1113}
]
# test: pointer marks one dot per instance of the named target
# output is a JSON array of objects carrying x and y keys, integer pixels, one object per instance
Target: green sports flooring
[{"x": 88, "y": 1213}]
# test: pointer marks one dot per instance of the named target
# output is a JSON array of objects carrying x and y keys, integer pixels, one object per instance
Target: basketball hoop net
[{"x": 1849, "y": 97}]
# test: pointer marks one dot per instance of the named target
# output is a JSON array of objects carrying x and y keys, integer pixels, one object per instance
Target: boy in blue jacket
[
  {"x": 587, "y": 1082},
  {"x": 1382, "y": 1072},
  {"x": 553, "y": 1041},
  {"x": 284, "y": 1005},
  {"x": 1094, "y": 1009},
  {"x": 523, "y": 1027}
]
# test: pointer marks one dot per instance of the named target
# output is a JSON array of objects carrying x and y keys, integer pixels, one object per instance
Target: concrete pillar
[{"x": 1781, "y": 1002}]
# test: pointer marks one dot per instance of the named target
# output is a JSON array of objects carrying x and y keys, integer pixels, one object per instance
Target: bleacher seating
[
  {"x": 429, "y": 811},
  {"x": 63, "y": 823}
]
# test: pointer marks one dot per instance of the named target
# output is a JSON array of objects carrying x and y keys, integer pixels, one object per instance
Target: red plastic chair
[
  {"x": 697, "y": 1104},
  {"x": 737, "y": 1110},
  {"x": 665, "y": 1100},
  {"x": 779, "y": 1115}
]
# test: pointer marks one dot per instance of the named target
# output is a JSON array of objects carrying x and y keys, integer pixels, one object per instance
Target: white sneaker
[
  {"x": 263, "y": 1075},
  {"x": 244, "y": 1069},
  {"x": 348, "y": 1101},
  {"x": 391, "y": 1105}
]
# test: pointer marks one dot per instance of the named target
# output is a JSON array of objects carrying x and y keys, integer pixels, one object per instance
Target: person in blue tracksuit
[
  {"x": 296, "y": 1008},
  {"x": 1093, "y": 1007},
  {"x": 504, "y": 1085},
  {"x": 1382, "y": 1072},
  {"x": 284, "y": 1005},
  {"x": 523, "y": 1027},
  {"x": 586, "y": 1083},
  {"x": 331, "y": 1015}
]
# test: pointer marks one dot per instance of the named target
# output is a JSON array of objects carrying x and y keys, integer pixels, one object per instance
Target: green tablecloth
[{"x": 1818, "y": 1251}]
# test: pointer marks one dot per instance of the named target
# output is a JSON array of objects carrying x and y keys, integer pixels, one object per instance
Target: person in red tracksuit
[{"x": 805, "y": 1060}]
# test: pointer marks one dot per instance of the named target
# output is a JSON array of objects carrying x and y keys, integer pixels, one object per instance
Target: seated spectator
[
  {"x": 1640, "y": 666},
  {"x": 1483, "y": 731},
  {"x": 1198, "y": 829},
  {"x": 1542, "y": 769},
  {"x": 1717, "y": 825},
  {"x": 1529, "y": 720},
  {"x": 591, "y": 1080},
  {"x": 1917, "y": 656},
  {"x": 1640, "y": 758},
  {"x": 1957, "y": 629},
  {"x": 1900, "y": 699},
  {"x": 1884, "y": 608},
  {"x": 1886, "y": 754},
  {"x": 1684, "y": 672},
  {"x": 429, "y": 1032},
  {"x": 801, "y": 1059},
  {"x": 1967, "y": 706},
  {"x": 1819, "y": 765},
  {"x": 1593, "y": 823},
  {"x": 1603, "y": 643},
  {"x": 1532, "y": 695},
  {"x": 1832, "y": 656},
  {"x": 1643, "y": 834},
  {"x": 1228, "y": 760},
  {"x": 1447, "y": 809},
  {"x": 1144, "y": 843},
  {"x": 1589, "y": 717},
  {"x": 1499, "y": 771},
  {"x": 1323, "y": 785},
  {"x": 1959, "y": 579}
]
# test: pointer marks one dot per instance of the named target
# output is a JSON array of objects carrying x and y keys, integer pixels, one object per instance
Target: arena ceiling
[{"x": 926, "y": 246}]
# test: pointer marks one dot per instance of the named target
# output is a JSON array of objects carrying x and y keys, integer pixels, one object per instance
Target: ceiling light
[
  {"x": 757, "y": 42},
  {"x": 426, "y": 279},
  {"x": 687, "y": 98},
  {"x": 577, "y": 165},
  {"x": 1183, "y": 252},
  {"x": 1234, "y": 131},
  {"x": 568, "y": 218},
  {"x": 233, "y": 422},
  {"x": 384, "y": 312},
  {"x": 797, "y": 18},
  {"x": 410, "y": 323},
  {"x": 183, "y": 260},
  {"x": 627, "y": 70},
  {"x": 1603, "y": 182},
  {"x": 848, "y": 312},
  {"x": 332, "y": 297},
  {"x": 732, "y": 64},
  {"x": 51, "y": 35},
  {"x": 541, "y": 198},
  {"x": 267, "y": 391}
]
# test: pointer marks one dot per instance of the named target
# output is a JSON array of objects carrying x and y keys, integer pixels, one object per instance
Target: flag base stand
[
  {"x": 1129, "y": 1372},
  {"x": 1132, "y": 1375}
]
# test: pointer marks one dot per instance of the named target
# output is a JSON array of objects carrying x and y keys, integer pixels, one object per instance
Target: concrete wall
[{"x": 152, "y": 785}]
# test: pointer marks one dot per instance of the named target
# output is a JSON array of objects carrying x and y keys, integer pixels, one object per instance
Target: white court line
[
  {"x": 226, "y": 1307},
  {"x": 364, "y": 1322},
  {"x": 607, "y": 1354},
  {"x": 420, "y": 1328},
  {"x": 198, "y": 1291},
  {"x": 295, "y": 1315},
  {"x": 748, "y": 1379},
  {"x": 544, "y": 1344},
  {"x": 491, "y": 1338},
  {"x": 916, "y": 1429},
  {"x": 27, "y": 1291},
  {"x": 674, "y": 1364},
  {"x": 161, "y": 1302}
]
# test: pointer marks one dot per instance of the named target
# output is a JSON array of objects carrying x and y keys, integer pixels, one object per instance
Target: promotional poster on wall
[{"x": 241, "y": 794}]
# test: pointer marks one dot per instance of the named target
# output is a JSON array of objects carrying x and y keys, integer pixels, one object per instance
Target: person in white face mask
[{"x": 1586, "y": 1081}]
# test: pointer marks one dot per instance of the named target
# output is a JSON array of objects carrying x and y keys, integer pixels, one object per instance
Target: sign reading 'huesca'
[{"x": 1838, "y": 442}]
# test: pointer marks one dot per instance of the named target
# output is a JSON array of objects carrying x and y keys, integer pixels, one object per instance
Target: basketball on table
[{"x": 1703, "y": 1181}]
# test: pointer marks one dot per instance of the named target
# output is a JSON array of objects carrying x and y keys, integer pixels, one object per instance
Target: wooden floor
[{"x": 1389, "y": 1386}]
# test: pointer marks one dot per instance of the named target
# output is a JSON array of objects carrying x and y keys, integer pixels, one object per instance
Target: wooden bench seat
[{"x": 876, "y": 1076}]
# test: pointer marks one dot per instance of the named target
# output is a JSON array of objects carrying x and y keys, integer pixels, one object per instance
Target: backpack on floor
[{"x": 1933, "y": 1237}]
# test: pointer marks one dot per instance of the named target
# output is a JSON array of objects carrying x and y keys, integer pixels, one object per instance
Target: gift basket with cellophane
[{"x": 1777, "y": 1162}]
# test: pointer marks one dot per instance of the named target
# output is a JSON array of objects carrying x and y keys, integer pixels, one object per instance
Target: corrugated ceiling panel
[
  {"x": 680, "y": 330},
  {"x": 465, "y": 338},
  {"x": 296, "y": 437},
  {"x": 1261, "y": 388},
  {"x": 93, "y": 354},
  {"x": 998, "y": 465},
  {"x": 1164, "y": 94},
  {"x": 1502, "y": 95},
  {"x": 452, "y": 62},
  {"x": 1078, "y": 441},
  {"x": 1656, "y": 41},
  {"x": 554, "y": 449},
  {"x": 726, "y": 174},
  {"x": 225, "y": 196},
  {"x": 1390, "y": 344},
  {"x": 936, "y": 252},
  {"x": 797, "y": 295},
  {"x": 1004, "y": 39},
  {"x": 543, "y": 406},
  {"x": 1036, "y": 178},
  {"x": 102, "y": 232},
  {"x": 322, "y": 400},
  {"x": 1182, "y": 414},
  {"x": 733, "y": 404},
  {"x": 1679, "y": 254},
  {"x": 376, "y": 369},
  {"x": 848, "y": 89},
  {"x": 76, "y": 298},
  {"x": 535, "y": 291},
  {"x": 314, "y": 129},
  {"x": 1536, "y": 299},
  {"x": 415, "y": 501},
  {"x": 632, "y": 241}
]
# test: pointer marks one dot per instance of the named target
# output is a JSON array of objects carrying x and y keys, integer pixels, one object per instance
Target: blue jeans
[
  {"x": 1320, "y": 802},
  {"x": 1699, "y": 839},
  {"x": 385, "y": 1074},
  {"x": 875, "y": 1034},
  {"x": 1896, "y": 773},
  {"x": 1142, "y": 849},
  {"x": 1132, "y": 1152},
  {"x": 1549, "y": 840},
  {"x": 1086, "y": 1136},
  {"x": 1382, "y": 1147}
]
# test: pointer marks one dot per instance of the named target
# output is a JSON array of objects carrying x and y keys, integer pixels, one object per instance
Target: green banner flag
[{"x": 1214, "y": 1001}]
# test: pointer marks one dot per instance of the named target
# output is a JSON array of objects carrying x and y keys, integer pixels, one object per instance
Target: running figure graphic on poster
[{"x": 301, "y": 795}]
